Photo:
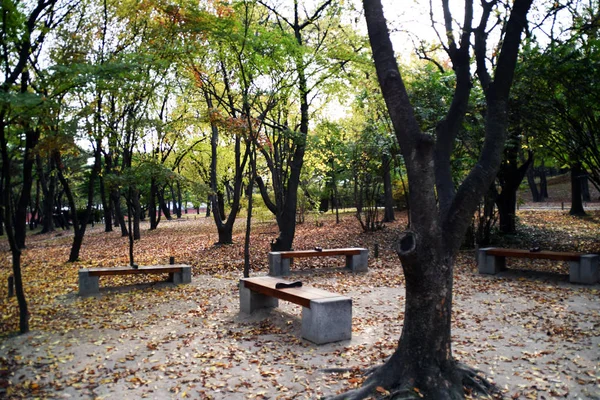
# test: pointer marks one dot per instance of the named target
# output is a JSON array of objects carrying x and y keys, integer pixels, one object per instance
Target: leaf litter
[{"x": 529, "y": 330}]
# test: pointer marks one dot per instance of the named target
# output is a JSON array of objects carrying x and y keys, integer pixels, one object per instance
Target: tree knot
[{"x": 407, "y": 243}]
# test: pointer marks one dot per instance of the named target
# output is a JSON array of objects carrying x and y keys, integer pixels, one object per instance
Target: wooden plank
[
  {"x": 301, "y": 295},
  {"x": 544, "y": 254},
  {"x": 132, "y": 271},
  {"x": 319, "y": 253}
]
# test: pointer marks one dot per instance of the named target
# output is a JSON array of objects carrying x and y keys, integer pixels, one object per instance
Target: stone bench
[
  {"x": 357, "y": 259},
  {"x": 88, "y": 277},
  {"x": 583, "y": 268},
  {"x": 326, "y": 316}
]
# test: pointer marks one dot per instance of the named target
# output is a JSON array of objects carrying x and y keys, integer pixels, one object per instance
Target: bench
[
  {"x": 583, "y": 268},
  {"x": 326, "y": 316},
  {"x": 357, "y": 259},
  {"x": 88, "y": 277}
]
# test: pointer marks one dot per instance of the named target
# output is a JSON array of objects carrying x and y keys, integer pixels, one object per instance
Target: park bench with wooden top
[
  {"x": 88, "y": 277},
  {"x": 326, "y": 316},
  {"x": 583, "y": 268},
  {"x": 357, "y": 259}
]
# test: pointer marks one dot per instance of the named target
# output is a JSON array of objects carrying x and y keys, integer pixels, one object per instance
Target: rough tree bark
[{"x": 423, "y": 358}]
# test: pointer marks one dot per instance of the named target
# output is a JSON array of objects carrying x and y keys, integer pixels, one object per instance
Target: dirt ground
[
  {"x": 536, "y": 338},
  {"x": 531, "y": 332}
]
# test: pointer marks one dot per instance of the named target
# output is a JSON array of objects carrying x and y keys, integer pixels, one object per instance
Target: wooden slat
[
  {"x": 301, "y": 296},
  {"x": 132, "y": 271},
  {"x": 321, "y": 253},
  {"x": 545, "y": 254}
]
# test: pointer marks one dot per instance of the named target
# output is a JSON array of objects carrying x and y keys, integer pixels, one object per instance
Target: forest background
[{"x": 118, "y": 113}]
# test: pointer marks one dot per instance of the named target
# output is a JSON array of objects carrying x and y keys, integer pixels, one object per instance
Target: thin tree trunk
[
  {"x": 129, "y": 222},
  {"x": 31, "y": 139},
  {"x": 388, "y": 215},
  {"x": 8, "y": 225},
  {"x": 108, "y": 225},
  {"x": 576, "y": 198},
  {"x": 585, "y": 187},
  {"x": 535, "y": 194},
  {"x": 152, "y": 204},
  {"x": 249, "y": 216},
  {"x": 543, "y": 182},
  {"x": 116, "y": 200},
  {"x": 137, "y": 212},
  {"x": 179, "y": 203},
  {"x": 48, "y": 191}
]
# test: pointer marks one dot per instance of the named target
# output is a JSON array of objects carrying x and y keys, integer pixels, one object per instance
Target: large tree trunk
[
  {"x": 576, "y": 198},
  {"x": 424, "y": 353},
  {"x": 506, "y": 202},
  {"x": 440, "y": 215},
  {"x": 510, "y": 177},
  {"x": 163, "y": 205}
]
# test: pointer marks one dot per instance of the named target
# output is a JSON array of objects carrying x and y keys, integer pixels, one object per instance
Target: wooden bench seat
[
  {"x": 583, "y": 268},
  {"x": 89, "y": 277},
  {"x": 326, "y": 316},
  {"x": 357, "y": 259}
]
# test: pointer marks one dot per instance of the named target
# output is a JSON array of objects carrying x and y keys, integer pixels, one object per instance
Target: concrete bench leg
[
  {"x": 250, "y": 301},
  {"x": 184, "y": 276},
  {"x": 278, "y": 266},
  {"x": 87, "y": 284},
  {"x": 327, "y": 320},
  {"x": 490, "y": 265},
  {"x": 584, "y": 271},
  {"x": 358, "y": 263}
]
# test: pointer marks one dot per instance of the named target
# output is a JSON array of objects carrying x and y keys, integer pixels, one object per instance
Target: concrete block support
[
  {"x": 250, "y": 301},
  {"x": 278, "y": 266},
  {"x": 183, "y": 276},
  {"x": 87, "y": 284},
  {"x": 490, "y": 265},
  {"x": 358, "y": 263},
  {"x": 327, "y": 320},
  {"x": 586, "y": 270}
]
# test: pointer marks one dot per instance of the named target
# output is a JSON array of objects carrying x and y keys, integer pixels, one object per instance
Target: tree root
[
  {"x": 474, "y": 379},
  {"x": 401, "y": 393},
  {"x": 336, "y": 370},
  {"x": 356, "y": 394},
  {"x": 471, "y": 378}
]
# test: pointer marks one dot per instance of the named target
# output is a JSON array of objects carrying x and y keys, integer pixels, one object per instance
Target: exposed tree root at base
[{"x": 472, "y": 382}]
